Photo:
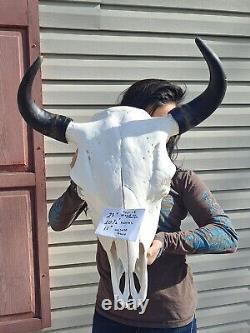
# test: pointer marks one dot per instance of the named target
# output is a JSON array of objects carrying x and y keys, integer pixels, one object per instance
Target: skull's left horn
[
  {"x": 194, "y": 112},
  {"x": 49, "y": 124}
]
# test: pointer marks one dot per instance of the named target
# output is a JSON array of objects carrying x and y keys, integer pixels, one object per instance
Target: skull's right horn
[
  {"x": 193, "y": 113},
  {"x": 49, "y": 124}
]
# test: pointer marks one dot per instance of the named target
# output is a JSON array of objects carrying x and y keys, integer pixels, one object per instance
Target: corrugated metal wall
[{"x": 92, "y": 51}]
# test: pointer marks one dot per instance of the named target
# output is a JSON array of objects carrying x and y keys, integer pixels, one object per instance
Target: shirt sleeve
[{"x": 215, "y": 232}]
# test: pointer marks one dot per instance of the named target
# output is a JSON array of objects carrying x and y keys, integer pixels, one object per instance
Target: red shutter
[{"x": 24, "y": 273}]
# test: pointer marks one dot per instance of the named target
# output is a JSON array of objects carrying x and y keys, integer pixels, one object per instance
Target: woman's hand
[{"x": 153, "y": 251}]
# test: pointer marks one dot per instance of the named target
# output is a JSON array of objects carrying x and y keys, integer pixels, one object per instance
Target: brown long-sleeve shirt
[{"x": 171, "y": 294}]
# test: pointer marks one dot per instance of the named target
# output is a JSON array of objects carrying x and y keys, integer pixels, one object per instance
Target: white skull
[{"x": 123, "y": 163}]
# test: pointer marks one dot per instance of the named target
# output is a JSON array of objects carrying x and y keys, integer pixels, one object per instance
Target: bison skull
[{"x": 123, "y": 163}]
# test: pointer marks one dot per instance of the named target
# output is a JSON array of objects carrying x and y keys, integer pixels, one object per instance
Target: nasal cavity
[{"x": 136, "y": 283}]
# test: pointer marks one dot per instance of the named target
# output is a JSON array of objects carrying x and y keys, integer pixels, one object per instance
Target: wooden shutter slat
[
  {"x": 18, "y": 10},
  {"x": 13, "y": 153},
  {"x": 16, "y": 254},
  {"x": 17, "y": 179},
  {"x": 19, "y": 327}
]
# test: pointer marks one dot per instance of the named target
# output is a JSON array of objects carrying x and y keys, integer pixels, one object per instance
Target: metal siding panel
[
  {"x": 80, "y": 296},
  {"x": 75, "y": 234},
  {"x": 244, "y": 236},
  {"x": 223, "y": 297},
  {"x": 223, "y": 138},
  {"x": 72, "y": 16},
  {"x": 58, "y": 167},
  {"x": 215, "y": 160},
  {"x": 56, "y": 188},
  {"x": 143, "y": 46},
  {"x": 73, "y": 276},
  {"x": 223, "y": 5},
  {"x": 55, "y": 146},
  {"x": 81, "y": 17},
  {"x": 230, "y": 328},
  {"x": 217, "y": 280},
  {"x": 103, "y": 94},
  {"x": 81, "y": 329},
  {"x": 158, "y": 22},
  {"x": 72, "y": 317},
  {"x": 81, "y": 1},
  {"x": 241, "y": 219},
  {"x": 222, "y": 180},
  {"x": 233, "y": 199},
  {"x": 223, "y": 315},
  {"x": 72, "y": 254},
  {"x": 81, "y": 73},
  {"x": 229, "y": 116},
  {"x": 132, "y": 70},
  {"x": 214, "y": 5},
  {"x": 217, "y": 262}
]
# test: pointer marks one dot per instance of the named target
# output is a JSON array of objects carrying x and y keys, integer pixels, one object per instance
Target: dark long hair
[{"x": 149, "y": 94}]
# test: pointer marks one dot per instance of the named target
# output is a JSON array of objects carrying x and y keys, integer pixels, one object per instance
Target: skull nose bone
[{"x": 130, "y": 275}]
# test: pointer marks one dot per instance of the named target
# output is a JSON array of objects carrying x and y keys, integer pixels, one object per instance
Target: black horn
[
  {"x": 49, "y": 124},
  {"x": 193, "y": 113}
]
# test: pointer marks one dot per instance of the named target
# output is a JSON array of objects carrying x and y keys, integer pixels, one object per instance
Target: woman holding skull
[{"x": 171, "y": 294}]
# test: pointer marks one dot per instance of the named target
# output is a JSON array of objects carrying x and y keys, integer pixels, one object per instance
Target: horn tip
[
  {"x": 36, "y": 64},
  {"x": 199, "y": 41},
  {"x": 39, "y": 60}
]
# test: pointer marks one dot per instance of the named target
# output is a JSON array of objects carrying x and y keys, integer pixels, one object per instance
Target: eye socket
[{"x": 159, "y": 185}]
